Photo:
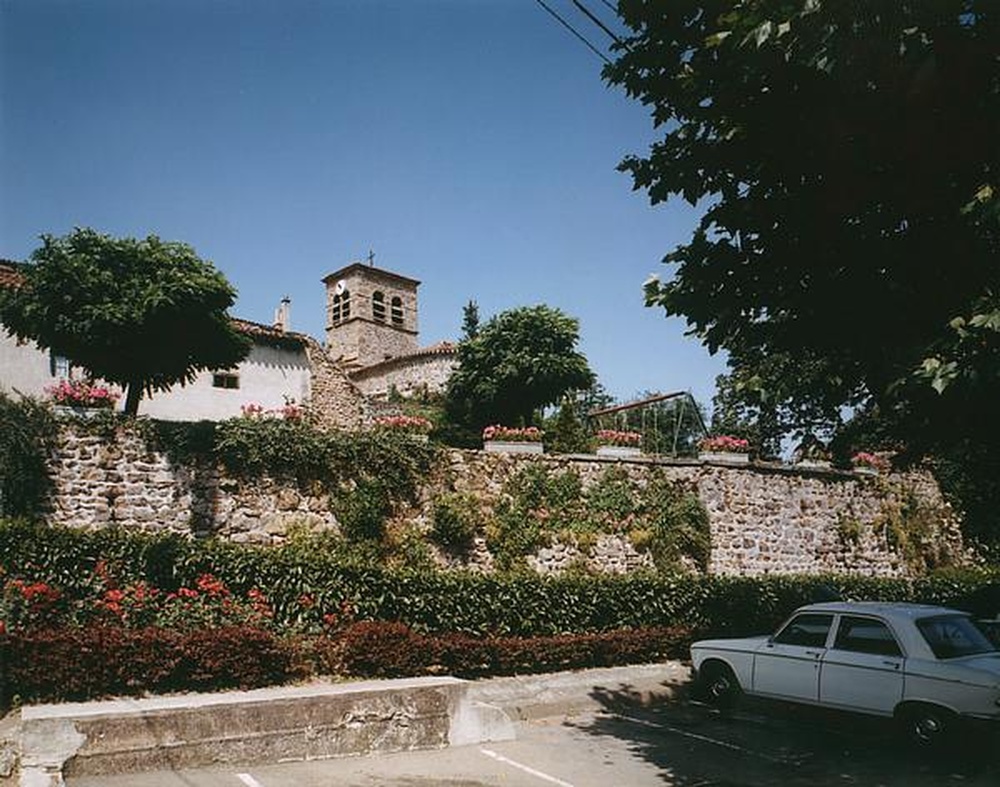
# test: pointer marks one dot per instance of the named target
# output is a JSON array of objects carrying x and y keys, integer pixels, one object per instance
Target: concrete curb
[{"x": 314, "y": 721}]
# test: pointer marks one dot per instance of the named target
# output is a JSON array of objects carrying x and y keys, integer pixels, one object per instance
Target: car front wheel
[
  {"x": 926, "y": 726},
  {"x": 718, "y": 685}
]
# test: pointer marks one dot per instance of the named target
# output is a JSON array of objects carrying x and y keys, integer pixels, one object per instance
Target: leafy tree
[
  {"x": 470, "y": 320},
  {"x": 761, "y": 399},
  {"x": 845, "y": 155},
  {"x": 596, "y": 397},
  {"x": 565, "y": 432},
  {"x": 521, "y": 360},
  {"x": 145, "y": 314}
]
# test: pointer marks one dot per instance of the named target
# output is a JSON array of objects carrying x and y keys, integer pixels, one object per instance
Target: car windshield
[{"x": 952, "y": 636}]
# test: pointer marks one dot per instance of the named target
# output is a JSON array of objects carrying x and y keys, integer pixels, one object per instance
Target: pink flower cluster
[
  {"x": 288, "y": 412},
  {"x": 81, "y": 393},
  {"x": 510, "y": 434},
  {"x": 874, "y": 461},
  {"x": 613, "y": 437},
  {"x": 724, "y": 444},
  {"x": 405, "y": 423}
]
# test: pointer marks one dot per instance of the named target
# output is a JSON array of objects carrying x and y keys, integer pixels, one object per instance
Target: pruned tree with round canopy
[{"x": 144, "y": 314}]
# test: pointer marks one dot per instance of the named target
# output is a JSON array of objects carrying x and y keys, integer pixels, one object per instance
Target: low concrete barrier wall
[{"x": 311, "y": 722}]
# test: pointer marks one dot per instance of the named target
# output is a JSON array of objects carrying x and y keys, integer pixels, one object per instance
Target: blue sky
[{"x": 470, "y": 143}]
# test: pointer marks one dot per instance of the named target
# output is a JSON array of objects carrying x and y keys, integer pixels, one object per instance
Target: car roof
[{"x": 889, "y": 609}]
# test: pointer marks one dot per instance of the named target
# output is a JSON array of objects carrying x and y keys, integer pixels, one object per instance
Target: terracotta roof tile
[
  {"x": 9, "y": 274},
  {"x": 268, "y": 334}
]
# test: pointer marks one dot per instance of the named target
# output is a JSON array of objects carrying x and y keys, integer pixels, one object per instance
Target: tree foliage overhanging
[
  {"x": 145, "y": 314},
  {"x": 517, "y": 362},
  {"x": 846, "y": 155}
]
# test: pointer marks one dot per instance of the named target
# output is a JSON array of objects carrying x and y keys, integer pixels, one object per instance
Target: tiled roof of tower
[{"x": 369, "y": 270}]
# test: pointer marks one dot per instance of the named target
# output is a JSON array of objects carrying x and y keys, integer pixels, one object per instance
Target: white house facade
[{"x": 371, "y": 352}]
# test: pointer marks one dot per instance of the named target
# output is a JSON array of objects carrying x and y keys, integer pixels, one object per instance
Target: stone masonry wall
[
  {"x": 763, "y": 518},
  {"x": 334, "y": 401},
  {"x": 410, "y": 376}
]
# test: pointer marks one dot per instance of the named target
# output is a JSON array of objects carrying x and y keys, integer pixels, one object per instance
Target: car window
[
  {"x": 951, "y": 636},
  {"x": 808, "y": 629},
  {"x": 865, "y": 635}
]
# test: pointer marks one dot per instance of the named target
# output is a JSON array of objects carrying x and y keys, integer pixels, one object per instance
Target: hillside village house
[{"x": 371, "y": 350}]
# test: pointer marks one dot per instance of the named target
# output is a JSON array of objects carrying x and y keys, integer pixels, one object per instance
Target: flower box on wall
[
  {"x": 724, "y": 449},
  {"x": 866, "y": 463},
  {"x": 619, "y": 451},
  {"x": 511, "y": 447},
  {"x": 724, "y": 457},
  {"x": 814, "y": 464},
  {"x": 512, "y": 440}
]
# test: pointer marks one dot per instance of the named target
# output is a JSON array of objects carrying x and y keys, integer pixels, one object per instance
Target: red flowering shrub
[
  {"x": 466, "y": 656},
  {"x": 386, "y": 649},
  {"x": 725, "y": 444},
  {"x": 617, "y": 437},
  {"x": 24, "y": 603},
  {"x": 47, "y": 665},
  {"x": 380, "y": 649},
  {"x": 407, "y": 424}
]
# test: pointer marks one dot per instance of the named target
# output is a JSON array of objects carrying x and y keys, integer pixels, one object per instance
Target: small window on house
[
  {"x": 397, "y": 311},
  {"x": 225, "y": 380},
  {"x": 378, "y": 306},
  {"x": 59, "y": 366}
]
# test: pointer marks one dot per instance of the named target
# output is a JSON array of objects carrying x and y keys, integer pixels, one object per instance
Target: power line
[
  {"x": 613, "y": 8},
  {"x": 570, "y": 27},
  {"x": 586, "y": 12}
]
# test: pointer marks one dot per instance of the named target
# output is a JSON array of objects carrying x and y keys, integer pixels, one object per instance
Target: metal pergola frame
[{"x": 621, "y": 411}]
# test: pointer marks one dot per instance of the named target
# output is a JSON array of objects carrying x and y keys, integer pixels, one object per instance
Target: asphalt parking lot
[{"x": 673, "y": 743}]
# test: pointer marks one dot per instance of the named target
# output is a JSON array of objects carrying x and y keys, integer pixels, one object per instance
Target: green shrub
[
  {"x": 28, "y": 431},
  {"x": 612, "y": 500},
  {"x": 678, "y": 524},
  {"x": 455, "y": 520},
  {"x": 428, "y": 601}
]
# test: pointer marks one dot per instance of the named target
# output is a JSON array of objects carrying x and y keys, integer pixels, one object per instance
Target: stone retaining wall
[{"x": 763, "y": 518}]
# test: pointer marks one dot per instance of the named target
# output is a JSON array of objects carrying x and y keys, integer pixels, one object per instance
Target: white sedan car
[{"x": 925, "y": 666}]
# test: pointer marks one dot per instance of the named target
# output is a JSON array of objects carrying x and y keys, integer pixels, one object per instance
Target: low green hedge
[{"x": 305, "y": 586}]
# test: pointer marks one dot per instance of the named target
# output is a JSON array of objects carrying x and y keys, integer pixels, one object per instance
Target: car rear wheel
[
  {"x": 926, "y": 726},
  {"x": 718, "y": 685}
]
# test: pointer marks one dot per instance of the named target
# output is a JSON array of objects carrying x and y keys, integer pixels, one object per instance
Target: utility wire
[
  {"x": 570, "y": 27},
  {"x": 613, "y": 8},
  {"x": 586, "y": 12}
]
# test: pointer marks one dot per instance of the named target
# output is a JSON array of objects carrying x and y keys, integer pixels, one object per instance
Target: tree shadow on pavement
[{"x": 764, "y": 744}]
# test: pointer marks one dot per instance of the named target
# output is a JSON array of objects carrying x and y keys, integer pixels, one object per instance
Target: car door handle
[
  {"x": 814, "y": 653},
  {"x": 893, "y": 664}
]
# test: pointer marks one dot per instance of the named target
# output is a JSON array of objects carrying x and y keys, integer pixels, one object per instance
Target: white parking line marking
[
  {"x": 248, "y": 780},
  {"x": 706, "y": 739},
  {"x": 525, "y": 768}
]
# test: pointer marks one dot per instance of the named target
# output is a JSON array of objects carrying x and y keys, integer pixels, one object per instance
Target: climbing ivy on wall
[
  {"x": 538, "y": 506},
  {"x": 28, "y": 432}
]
